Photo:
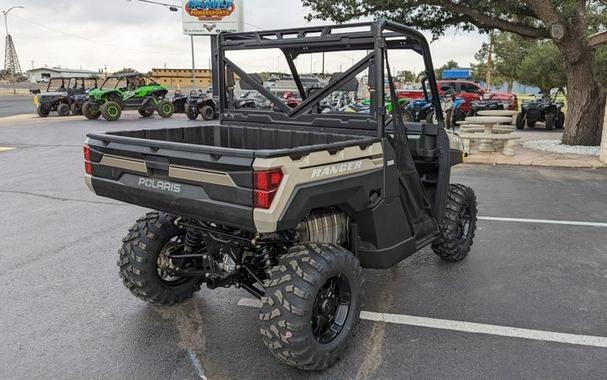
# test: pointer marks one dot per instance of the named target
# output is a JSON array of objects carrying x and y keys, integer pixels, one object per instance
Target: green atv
[{"x": 131, "y": 91}]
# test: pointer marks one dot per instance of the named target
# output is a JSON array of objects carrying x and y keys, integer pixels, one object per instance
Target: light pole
[
  {"x": 6, "y": 14},
  {"x": 175, "y": 8}
]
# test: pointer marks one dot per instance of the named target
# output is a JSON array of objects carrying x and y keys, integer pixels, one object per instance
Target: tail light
[
  {"x": 87, "y": 160},
  {"x": 265, "y": 186}
]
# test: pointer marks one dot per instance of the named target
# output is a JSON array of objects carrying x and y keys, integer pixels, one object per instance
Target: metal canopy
[{"x": 374, "y": 37}]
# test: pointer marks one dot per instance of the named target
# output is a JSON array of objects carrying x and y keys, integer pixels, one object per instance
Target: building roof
[{"x": 63, "y": 70}]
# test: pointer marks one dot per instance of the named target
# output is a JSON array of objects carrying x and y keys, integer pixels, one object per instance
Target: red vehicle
[{"x": 469, "y": 91}]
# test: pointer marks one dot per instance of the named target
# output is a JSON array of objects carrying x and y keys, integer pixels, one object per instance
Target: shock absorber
[
  {"x": 265, "y": 259},
  {"x": 193, "y": 241}
]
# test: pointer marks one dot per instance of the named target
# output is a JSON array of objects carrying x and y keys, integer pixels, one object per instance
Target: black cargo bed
[{"x": 237, "y": 140}]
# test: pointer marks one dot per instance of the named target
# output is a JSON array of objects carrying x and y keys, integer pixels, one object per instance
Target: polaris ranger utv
[
  {"x": 64, "y": 95},
  {"x": 129, "y": 91},
  {"x": 289, "y": 204}
]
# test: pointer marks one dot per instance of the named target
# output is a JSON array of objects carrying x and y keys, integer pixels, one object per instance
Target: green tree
[
  {"x": 566, "y": 22},
  {"x": 542, "y": 67},
  {"x": 406, "y": 76},
  {"x": 450, "y": 65},
  {"x": 125, "y": 70}
]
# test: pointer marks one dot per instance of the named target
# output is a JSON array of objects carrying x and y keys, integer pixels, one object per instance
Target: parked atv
[
  {"x": 131, "y": 91},
  {"x": 485, "y": 105},
  {"x": 64, "y": 95},
  {"x": 201, "y": 103},
  {"x": 545, "y": 109}
]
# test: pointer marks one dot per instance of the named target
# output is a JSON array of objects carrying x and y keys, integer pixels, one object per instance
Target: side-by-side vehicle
[{"x": 289, "y": 204}]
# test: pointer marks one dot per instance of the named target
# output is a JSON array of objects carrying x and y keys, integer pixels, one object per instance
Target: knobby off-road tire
[
  {"x": 191, "y": 112},
  {"x": 42, "y": 112},
  {"x": 76, "y": 109},
  {"x": 139, "y": 261},
  {"x": 63, "y": 110},
  {"x": 207, "y": 112},
  {"x": 111, "y": 111},
  {"x": 550, "y": 121},
  {"x": 520, "y": 121},
  {"x": 459, "y": 226},
  {"x": 165, "y": 109},
  {"x": 298, "y": 296},
  {"x": 146, "y": 112},
  {"x": 91, "y": 111}
]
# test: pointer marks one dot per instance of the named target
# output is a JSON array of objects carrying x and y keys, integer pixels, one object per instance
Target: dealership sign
[{"x": 209, "y": 17}]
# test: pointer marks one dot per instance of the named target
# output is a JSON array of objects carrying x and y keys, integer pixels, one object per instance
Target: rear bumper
[{"x": 191, "y": 201}]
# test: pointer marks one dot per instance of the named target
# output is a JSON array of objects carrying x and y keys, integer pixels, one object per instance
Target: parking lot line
[
  {"x": 544, "y": 221},
  {"x": 470, "y": 327},
  {"x": 5, "y": 149}
]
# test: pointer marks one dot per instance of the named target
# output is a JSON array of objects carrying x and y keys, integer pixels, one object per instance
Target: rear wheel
[
  {"x": 520, "y": 121},
  {"x": 145, "y": 266},
  {"x": 191, "y": 112},
  {"x": 76, "y": 109},
  {"x": 550, "y": 121},
  {"x": 207, "y": 112},
  {"x": 311, "y": 305},
  {"x": 63, "y": 110},
  {"x": 42, "y": 112},
  {"x": 91, "y": 110},
  {"x": 111, "y": 111},
  {"x": 165, "y": 109},
  {"x": 459, "y": 226},
  {"x": 430, "y": 117}
]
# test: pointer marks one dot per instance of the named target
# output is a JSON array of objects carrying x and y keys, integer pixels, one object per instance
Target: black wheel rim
[
  {"x": 331, "y": 310},
  {"x": 464, "y": 223},
  {"x": 165, "y": 266}
]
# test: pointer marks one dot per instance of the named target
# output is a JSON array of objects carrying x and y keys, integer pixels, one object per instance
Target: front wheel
[
  {"x": 145, "y": 264},
  {"x": 311, "y": 305},
  {"x": 191, "y": 112},
  {"x": 459, "y": 227},
  {"x": 165, "y": 109},
  {"x": 91, "y": 110},
  {"x": 42, "y": 112},
  {"x": 111, "y": 111}
]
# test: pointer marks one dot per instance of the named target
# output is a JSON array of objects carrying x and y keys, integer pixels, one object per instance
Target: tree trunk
[
  {"x": 510, "y": 86},
  {"x": 585, "y": 101}
]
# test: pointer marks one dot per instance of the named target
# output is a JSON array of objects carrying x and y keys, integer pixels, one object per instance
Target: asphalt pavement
[
  {"x": 65, "y": 313},
  {"x": 16, "y": 105}
]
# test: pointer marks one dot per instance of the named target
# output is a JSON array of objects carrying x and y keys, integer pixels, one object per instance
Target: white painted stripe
[
  {"x": 479, "y": 328},
  {"x": 544, "y": 221},
  {"x": 471, "y": 327}
]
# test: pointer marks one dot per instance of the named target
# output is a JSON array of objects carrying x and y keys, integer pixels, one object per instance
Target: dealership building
[
  {"x": 181, "y": 78},
  {"x": 43, "y": 74}
]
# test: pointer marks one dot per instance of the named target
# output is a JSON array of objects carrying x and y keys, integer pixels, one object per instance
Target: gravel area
[{"x": 555, "y": 146}]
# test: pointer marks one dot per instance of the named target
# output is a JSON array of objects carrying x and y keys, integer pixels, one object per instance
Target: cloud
[{"x": 118, "y": 33}]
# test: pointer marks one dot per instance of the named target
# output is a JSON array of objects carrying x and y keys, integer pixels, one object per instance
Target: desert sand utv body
[{"x": 289, "y": 204}]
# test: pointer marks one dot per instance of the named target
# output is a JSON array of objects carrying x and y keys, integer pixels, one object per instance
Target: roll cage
[
  {"x": 375, "y": 37},
  {"x": 134, "y": 80}
]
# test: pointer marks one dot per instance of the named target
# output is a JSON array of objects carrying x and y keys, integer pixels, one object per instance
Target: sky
[{"x": 94, "y": 34}]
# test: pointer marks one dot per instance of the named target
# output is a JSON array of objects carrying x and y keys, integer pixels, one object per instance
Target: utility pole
[
  {"x": 489, "y": 62},
  {"x": 11, "y": 61}
]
